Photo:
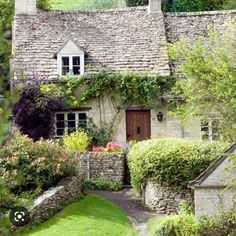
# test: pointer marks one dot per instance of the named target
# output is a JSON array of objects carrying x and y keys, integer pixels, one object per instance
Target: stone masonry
[
  {"x": 165, "y": 200},
  {"x": 118, "y": 39},
  {"x": 130, "y": 39},
  {"x": 105, "y": 165},
  {"x": 72, "y": 189}
]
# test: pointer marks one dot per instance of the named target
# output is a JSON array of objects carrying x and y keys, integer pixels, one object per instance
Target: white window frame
[
  {"x": 66, "y": 113},
  {"x": 71, "y": 63},
  {"x": 70, "y": 49}
]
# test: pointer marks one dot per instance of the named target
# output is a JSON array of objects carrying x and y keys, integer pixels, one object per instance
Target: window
[
  {"x": 70, "y": 64},
  {"x": 65, "y": 65},
  {"x": 70, "y": 60},
  {"x": 209, "y": 130},
  {"x": 68, "y": 122}
]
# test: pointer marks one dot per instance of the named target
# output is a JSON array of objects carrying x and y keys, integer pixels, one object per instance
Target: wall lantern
[{"x": 160, "y": 116}]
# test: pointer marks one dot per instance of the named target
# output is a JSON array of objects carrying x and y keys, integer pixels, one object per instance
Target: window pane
[
  {"x": 76, "y": 70},
  {"x": 71, "y": 124},
  {"x": 65, "y": 61},
  {"x": 82, "y": 120},
  {"x": 76, "y": 61},
  {"x": 65, "y": 70},
  {"x": 71, "y": 116},
  {"x": 82, "y": 116},
  {"x": 60, "y": 117},
  {"x": 60, "y": 132}
]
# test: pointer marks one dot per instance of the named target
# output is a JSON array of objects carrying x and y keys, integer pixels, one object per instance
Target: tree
[{"x": 208, "y": 89}]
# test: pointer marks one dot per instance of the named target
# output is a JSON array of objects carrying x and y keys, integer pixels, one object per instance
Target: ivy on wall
[
  {"x": 125, "y": 88},
  {"x": 34, "y": 111}
]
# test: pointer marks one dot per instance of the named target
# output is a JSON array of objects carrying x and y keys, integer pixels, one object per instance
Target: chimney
[
  {"x": 25, "y": 7},
  {"x": 154, "y": 6}
]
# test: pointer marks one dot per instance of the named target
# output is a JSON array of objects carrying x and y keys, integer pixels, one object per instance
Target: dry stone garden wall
[
  {"x": 102, "y": 165},
  {"x": 54, "y": 199},
  {"x": 165, "y": 200}
]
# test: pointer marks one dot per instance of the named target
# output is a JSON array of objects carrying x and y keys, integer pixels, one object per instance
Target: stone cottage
[
  {"x": 214, "y": 189},
  {"x": 47, "y": 45}
]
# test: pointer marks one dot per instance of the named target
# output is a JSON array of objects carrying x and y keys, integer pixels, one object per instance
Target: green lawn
[
  {"x": 92, "y": 216},
  {"x": 65, "y": 4}
]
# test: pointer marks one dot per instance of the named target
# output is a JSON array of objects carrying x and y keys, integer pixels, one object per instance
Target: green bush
[
  {"x": 104, "y": 184},
  {"x": 32, "y": 166},
  {"x": 178, "y": 225},
  {"x": 44, "y": 4},
  {"x": 171, "y": 162},
  {"x": 222, "y": 225},
  {"x": 99, "y": 136},
  {"x": 76, "y": 141},
  {"x": 187, "y": 225}
]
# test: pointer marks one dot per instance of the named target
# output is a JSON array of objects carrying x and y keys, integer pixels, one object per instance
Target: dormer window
[{"x": 70, "y": 60}]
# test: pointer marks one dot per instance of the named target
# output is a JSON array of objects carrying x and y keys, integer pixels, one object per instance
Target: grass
[
  {"x": 91, "y": 216},
  {"x": 65, "y": 4}
]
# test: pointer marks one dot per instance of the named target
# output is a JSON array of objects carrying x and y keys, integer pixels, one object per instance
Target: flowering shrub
[
  {"x": 110, "y": 147},
  {"x": 113, "y": 147},
  {"x": 98, "y": 149},
  {"x": 76, "y": 141},
  {"x": 30, "y": 166}
]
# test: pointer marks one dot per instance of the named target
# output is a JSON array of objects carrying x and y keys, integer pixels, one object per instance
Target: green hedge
[
  {"x": 185, "y": 224},
  {"x": 171, "y": 162}
]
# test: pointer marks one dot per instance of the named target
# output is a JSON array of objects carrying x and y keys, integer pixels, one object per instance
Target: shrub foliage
[
  {"x": 28, "y": 165},
  {"x": 178, "y": 225},
  {"x": 76, "y": 141},
  {"x": 104, "y": 184},
  {"x": 186, "y": 225},
  {"x": 171, "y": 162},
  {"x": 34, "y": 112}
]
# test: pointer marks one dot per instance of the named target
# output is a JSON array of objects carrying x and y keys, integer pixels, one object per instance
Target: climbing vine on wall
[{"x": 127, "y": 88}]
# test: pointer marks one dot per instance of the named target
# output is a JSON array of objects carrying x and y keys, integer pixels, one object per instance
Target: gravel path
[{"x": 131, "y": 205}]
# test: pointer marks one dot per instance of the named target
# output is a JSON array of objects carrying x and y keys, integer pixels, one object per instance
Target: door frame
[{"x": 137, "y": 110}]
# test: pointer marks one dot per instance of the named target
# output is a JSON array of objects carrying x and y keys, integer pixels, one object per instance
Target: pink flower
[
  {"x": 98, "y": 149},
  {"x": 113, "y": 147}
]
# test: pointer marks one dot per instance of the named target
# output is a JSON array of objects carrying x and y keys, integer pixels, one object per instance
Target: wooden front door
[{"x": 138, "y": 125}]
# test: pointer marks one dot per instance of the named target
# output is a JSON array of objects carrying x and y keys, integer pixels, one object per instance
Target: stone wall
[
  {"x": 53, "y": 200},
  {"x": 106, "y": 165},
  {"x": 165, "y": 200}
]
